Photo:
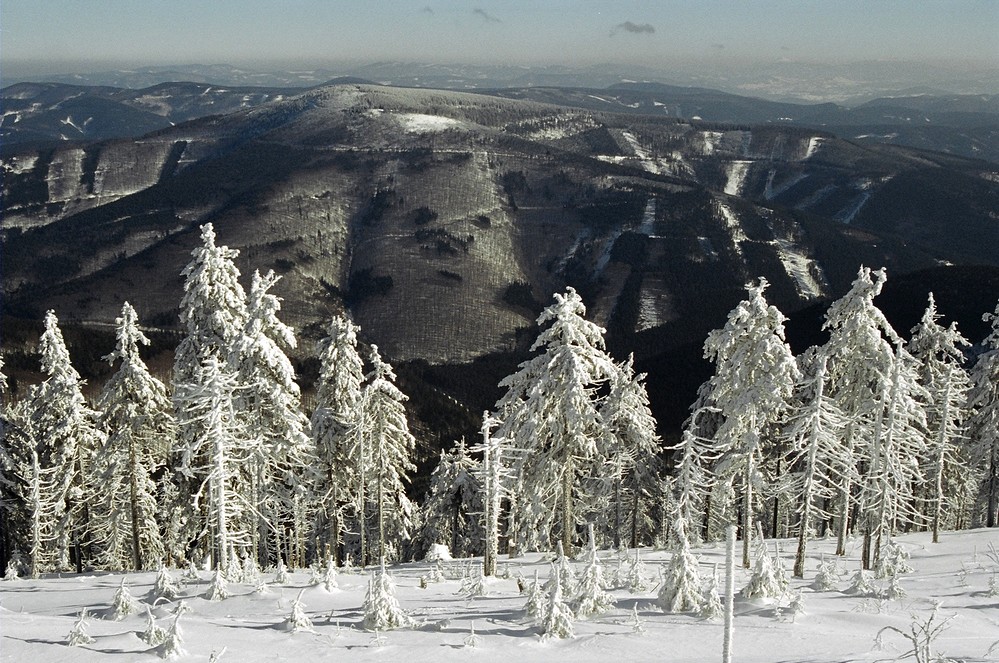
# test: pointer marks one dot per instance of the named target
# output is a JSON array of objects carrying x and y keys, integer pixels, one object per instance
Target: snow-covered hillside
[{"x": 249, "y": 626}]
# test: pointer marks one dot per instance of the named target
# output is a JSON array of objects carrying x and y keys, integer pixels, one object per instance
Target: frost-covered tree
[
  {"x": 755, "y": 373},
  {"x": 681, "y": 589},
  {"x": 298, "y": 620},
  {"x": 450, "y": 513},
  {"x": 213, "y": 460},
  {"x": 123, "y": 603},
  {"x": 558, "y": 617},
  {"x": 381, "y": 608},
  {"x": 213, "y": 314},
  {"x": 887, "y": 497},
  {"x": 138, "y": 419},
  {"x": 493, "y": 477},
  {"x": 860, "y": 362},
  {"x": 269, "y": 402},
  {"x": 66, "y": 436},
  {"x": 591, "y": 596},
  {"x": 338, "y": 397},
  {"x": 78, "y": 636},
  {"x": 551, "y": 414},
  {"x": 693, "y": 481},
  {"x": 383, "y": 446},
  {"x": 983, "y": 425},
  {"x": 948, "y": 472},
  {"x": 819, "y": 460},
  {"x": 632, "y": 452},
  {"x": 173, "y": 644}
]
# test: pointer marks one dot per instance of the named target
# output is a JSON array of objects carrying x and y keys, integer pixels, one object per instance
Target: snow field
[{"x": 37, "y": 615}]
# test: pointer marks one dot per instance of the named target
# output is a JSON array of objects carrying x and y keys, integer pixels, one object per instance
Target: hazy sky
[{"x": 492, "y": 31}]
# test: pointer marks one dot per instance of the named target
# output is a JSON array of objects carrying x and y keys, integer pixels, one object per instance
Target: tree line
[{"x": 866, "y": 435}]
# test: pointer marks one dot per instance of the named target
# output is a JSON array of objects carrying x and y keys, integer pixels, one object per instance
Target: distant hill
[{"x": 443, "y": 221}]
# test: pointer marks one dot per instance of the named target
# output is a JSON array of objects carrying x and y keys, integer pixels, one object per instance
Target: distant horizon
[{"x": 512, "y": 32}]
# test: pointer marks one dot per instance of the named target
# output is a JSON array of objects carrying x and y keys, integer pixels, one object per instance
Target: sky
[{"x": 86, "y": 33}]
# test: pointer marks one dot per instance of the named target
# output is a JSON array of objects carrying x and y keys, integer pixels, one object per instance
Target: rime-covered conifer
[
  {"x": 213, "y": 460},
  {"x": 493, "y": 477},
  {"x": 277, "y": 474},
  {"x": 381, "y": 608},
  {"x": 948, "y": 472},
  {"x": 591, "y": 596},
  {"x": 632, "y": 454},
  {"x": 334, "y": 420},
  {"x": 859, "y": 368},
  {"x": 384, "y": 446},
  {"x": 819, "y": 460},
  {"x": 681, "y": 589},
  {"x": 64, "y": 431},
  {"x": 755, "y": 373},
  {"x": 298, "y": 620},
  {"x": 137, "y": 417},
  {"x": 450, "y": 514},
  {"x": 557, "y": 619},
  {"x": 79, "y": 636},
  {"x": 551, "y": 414},
  {"x": 123, "y": 604}
]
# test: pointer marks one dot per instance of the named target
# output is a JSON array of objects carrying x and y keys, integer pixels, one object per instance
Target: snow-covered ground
[
  {"x": 37, "y": 615},
  {"x": 735, "y": 172}
]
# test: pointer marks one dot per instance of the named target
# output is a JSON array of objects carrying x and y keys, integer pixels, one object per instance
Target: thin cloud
[
  {"x": 486, "y": 16},
  {"x": 428, "y": 10},
  {"x": 718, "y": 47},
  {"x": 633, "y": 28}
]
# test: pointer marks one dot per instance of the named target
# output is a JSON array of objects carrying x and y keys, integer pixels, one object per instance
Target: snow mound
[{"x": 420, "y": 123}]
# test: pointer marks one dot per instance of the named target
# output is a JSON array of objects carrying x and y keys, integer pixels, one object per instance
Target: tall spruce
[
  {"x": 334, "y": 420},
  {"x": 860, "y": 363},
  {"x": 213, "y": 314},
  {"x": 278, "y": 474},
  {"x": 65, "y": 435},
  {"x": 948, "y": 469},
  {"x": 551, "y": 414},
  {"x": 384, "y": 447},
  {"x": 137, "y": 417},
  {"x": 755, "y": 373}
]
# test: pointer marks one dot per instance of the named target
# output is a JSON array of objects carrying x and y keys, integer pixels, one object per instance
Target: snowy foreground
[{"x": 36, "y": 616}]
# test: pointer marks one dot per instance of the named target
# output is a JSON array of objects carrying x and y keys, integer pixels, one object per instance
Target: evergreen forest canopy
[{"x": 865, "y": 434}]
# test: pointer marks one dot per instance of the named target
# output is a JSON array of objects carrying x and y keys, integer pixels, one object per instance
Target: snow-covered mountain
[{"x": 443, "y": 220}]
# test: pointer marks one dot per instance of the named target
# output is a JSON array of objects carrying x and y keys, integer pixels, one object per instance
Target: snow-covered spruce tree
[
  {"x": 887, "y": 497},
  {"x": 381, "y": 608},
  {"x": 338, "y": 397},
  {"x": 298, "y": 620},
  {"x": 79, "y": 636},
  {"x": 693, "y": 481},
  {"x": 278, "y": 474},
  {"x": 383, "y": 446},
  {"x": 938, "y": 350},
  {"x": 450, "y": 514},
  {"x": 213, "y": 314},
  {"x": 213, "y": 460},
  {"x": 173, "y": 644},
  {"x": 123, "y": 603},
  {"x": 493, "y": 477},
  {"x": 983, "y": 425},
  {"x": 65, "y": 433},
  {"x": 138, "y": 419},
  {"x": 558, "y": 617},
  {"x": 859, "y": 367},
  {"x": 591, "y": 597},
  {"x": 755, "y": 374},
  {"x": 551, "y": 414},
  {"x": 633, "y": 453},
  {"x": 818, "y": 459},
  {"x": 681, "y": 590}
]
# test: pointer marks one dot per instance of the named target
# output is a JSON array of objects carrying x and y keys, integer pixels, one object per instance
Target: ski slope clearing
[{"x": 251, "y": 625}]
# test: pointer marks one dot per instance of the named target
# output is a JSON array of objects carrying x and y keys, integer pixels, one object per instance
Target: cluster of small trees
[{"x": 865, "y": 434}]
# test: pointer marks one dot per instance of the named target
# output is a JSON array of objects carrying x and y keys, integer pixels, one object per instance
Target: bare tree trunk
[
  {"x": 729, "y": 593},
  {"x": 747, "y": 513}
]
